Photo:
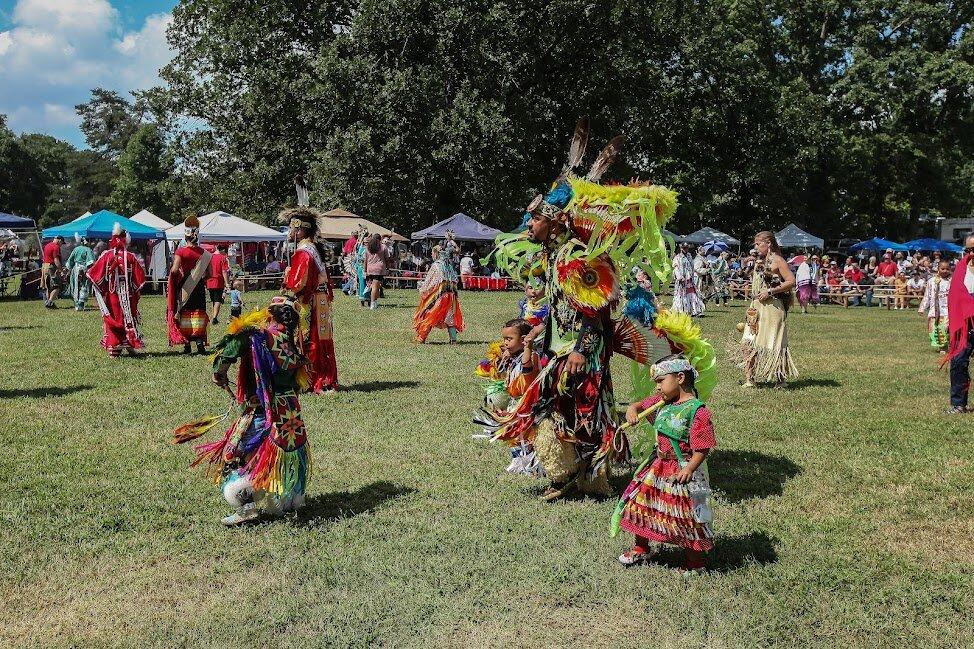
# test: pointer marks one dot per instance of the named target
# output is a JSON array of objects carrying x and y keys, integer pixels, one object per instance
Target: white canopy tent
[
  {"x": 793, "y": 236},
  {"x": 703, "y": 235},
  {"x": 158, "y": 266},
  {"x": 223, "y": 227}
]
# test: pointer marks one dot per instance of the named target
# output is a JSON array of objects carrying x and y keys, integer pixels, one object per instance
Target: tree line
[{"x": 851, "y": 118}]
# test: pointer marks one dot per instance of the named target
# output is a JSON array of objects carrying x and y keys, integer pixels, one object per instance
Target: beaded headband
[
  {"x": 672, "y": 366},
  {"x": 280, "y": 300}
]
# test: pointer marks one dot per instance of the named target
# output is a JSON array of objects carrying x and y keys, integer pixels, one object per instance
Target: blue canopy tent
[
  {"x": 878, "y": 244},
  {"x": 933, "y": 245},
  {"x": 100, "y": 225},
  {"x": 465, "y": 228},
  {"x": 14, "y": 222}
]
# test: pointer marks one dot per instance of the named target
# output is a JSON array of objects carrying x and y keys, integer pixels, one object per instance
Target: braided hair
[{"x": 287, "y": 316}]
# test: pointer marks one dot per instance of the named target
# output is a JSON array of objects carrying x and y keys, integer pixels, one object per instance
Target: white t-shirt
[
  {"x": 804, "y": 272},
  {"x": 969, "y": 280},
  {"x": 466, "y": 265}
]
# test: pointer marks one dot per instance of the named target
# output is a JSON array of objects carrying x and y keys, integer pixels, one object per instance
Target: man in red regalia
[
  {"x": 118, "y": 277},
  {"x": 186, "y": 298},
  {"x": 306, "y": 281}
]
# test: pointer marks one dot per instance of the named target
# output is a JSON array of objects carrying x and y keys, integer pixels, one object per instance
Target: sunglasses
[{"x": 969, "y": 250}]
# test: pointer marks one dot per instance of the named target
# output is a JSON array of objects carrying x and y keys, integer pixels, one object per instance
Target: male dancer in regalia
[
  {"x": 306, "y": 281},
  {"x": 186, "y": 300},
  {"x": 118, "y": 277}
]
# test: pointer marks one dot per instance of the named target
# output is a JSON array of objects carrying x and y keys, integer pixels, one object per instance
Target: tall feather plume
[
  {"x": 606, "y": 158},
  {"x": 302, "y": 188},
  {"x": 579, "y": 141}
]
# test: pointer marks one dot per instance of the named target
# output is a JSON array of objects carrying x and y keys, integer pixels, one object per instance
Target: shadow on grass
[
  {"x": 379, "y": 386},
  {"x": 459, "y": 342},
  {"x": 741, "y": 475},
  {"x": 814, "y": 383},
  {"x": 17, "y": 327},
  {"x": 730, "y": 553},
  {"x": 40, "y": 393},
  {"x": 325, "y": 508}
]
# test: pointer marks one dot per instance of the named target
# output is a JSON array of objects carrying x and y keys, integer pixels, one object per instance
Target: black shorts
[
  {"x": 369, "y": 278},
  {"x": 216, "y": 295},
  {"x": 235, "y": 311}
]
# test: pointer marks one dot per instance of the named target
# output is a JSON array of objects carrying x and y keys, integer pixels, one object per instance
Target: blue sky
[{"x": 52, "y": 52}]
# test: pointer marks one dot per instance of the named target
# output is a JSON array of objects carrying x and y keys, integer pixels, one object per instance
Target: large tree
[
  {"x": 109, "y": 120},
  {"x": 848, "y": 117},
  {"x": 21, "y": 189},
  {"x": 145, "y": 172}
]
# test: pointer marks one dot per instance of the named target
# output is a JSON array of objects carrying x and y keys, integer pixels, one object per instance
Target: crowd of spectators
[{"x": 898, "y": 279}]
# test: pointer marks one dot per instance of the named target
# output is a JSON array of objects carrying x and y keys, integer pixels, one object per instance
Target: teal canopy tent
[{"x": 100, "y": 225}]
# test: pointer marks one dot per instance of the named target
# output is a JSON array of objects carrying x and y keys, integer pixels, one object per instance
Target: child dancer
[
  {"x": 935, "y": 305},
  {"x": 667, "y": 501},
  {"x": 521, "y": 364},
  {"x": 263, "y": 462},
  {"x": 534, "y": 306},
  {"x": 439, "y": 304}
]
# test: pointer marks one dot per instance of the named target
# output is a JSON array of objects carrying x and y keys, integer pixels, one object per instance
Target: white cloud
[{"x": 58, "y": 50}]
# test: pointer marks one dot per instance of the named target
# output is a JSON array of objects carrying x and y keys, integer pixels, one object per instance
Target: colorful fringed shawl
[{"x": 268, "y": 442}]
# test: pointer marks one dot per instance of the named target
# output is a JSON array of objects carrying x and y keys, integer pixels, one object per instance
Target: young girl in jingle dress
[{"x": 658, "y": 505}]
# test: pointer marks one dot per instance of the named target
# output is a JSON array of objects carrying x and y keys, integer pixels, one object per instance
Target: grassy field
[{"x": 844, "y": 511}]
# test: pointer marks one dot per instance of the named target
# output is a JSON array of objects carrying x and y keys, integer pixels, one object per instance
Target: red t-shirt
[
  {"x": 887, "y": 269},
  {"x": 218, "y": 264},
  {"x": 854, "y": 276},
  {"x": 52, "y": 251}
]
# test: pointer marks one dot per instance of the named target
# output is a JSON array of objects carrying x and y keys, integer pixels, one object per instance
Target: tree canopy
[{"x": 851, "y": 118}]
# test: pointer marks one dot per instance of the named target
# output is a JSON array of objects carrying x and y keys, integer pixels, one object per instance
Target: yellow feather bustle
[
  {"x": 681, "y": 331},
  {"x": 255, "y": 319}
]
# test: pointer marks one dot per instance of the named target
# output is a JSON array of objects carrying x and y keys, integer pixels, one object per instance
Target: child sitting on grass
[{"x": 667, "y": 501}]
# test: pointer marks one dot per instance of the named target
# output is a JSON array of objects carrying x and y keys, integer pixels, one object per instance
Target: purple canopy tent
[{"x": 465, "y": 228}]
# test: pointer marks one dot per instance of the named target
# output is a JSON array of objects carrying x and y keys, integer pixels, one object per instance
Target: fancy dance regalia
[
  {"x": 603, "y": 231},
  {"x": 186, "y": 298},
  {"x": 439, "y": 303},
  {"x": 685, "y": 296},
  {"x": 79, "y": 261},
  {"x": 118, "y": 277},
  {"x": 306, "y": 280},
  {"x": 719, "y": 271},
  {"x": 935, "y": 306},
  {"x": 534, "y": 312},
  {"x": 361, "y": 285},
  {"x": 263, "y": 460}
]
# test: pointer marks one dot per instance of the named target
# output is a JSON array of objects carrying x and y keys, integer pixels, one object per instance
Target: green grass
[{"x": 844, "y": 512}]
